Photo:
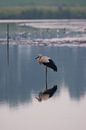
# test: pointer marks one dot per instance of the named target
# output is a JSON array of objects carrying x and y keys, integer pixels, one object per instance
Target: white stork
[{"x": 48, "y": 62}]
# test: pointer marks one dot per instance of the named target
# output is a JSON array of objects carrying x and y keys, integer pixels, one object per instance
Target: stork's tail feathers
[
  {"x": 55, "y": 68},
  {"x": 52, "y": 65}
]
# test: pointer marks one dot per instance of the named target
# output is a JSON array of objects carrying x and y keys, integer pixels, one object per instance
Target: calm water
[{"x": 21, "y": 79}]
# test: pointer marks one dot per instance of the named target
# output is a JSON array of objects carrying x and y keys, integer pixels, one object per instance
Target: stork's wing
[
  {"x": 51, "y": 64},
  {"x": 50, "y": 91}
]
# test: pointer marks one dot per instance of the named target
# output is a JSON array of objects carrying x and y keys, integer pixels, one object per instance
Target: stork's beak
[
  {"x": 38, "y": 99},
  {"x": 36, "y": 57}
]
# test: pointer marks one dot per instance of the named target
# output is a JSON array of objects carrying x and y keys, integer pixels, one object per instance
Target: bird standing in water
[{"x": 47, "y": 62}]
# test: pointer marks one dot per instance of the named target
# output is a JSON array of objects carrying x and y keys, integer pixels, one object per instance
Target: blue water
[
  {"x": 22, "y": 78},
  {"x": 22, "y": 75}
]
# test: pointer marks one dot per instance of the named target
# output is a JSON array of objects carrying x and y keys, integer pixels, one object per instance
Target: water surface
[{"x": 21, "y": 79}]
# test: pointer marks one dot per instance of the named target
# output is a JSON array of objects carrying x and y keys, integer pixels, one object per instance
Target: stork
[{"x": 47, "y": 62}]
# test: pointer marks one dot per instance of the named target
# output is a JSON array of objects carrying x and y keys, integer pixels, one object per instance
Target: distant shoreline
[{"x": 43, "y": 12}]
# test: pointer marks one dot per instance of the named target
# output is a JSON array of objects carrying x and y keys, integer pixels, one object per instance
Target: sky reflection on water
[
  {"x": 22, "y": 79},
  {"x": 56, "y": 113},
  {"x": 23, "y": 75}
]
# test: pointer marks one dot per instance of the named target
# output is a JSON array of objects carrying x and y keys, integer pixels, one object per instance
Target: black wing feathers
[
  {"x": 51, "y": 91},
  {"x": 51, "y": 64}
]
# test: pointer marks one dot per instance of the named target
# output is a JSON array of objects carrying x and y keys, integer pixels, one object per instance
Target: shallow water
[{"x": 21, "y": 79}]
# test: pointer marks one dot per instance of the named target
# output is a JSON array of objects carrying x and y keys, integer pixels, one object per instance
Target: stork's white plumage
[
  {"x": 43, "y": 59},
  {"x": 47, "y": 61}
]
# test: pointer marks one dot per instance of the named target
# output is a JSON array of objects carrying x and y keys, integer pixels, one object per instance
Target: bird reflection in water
[
  {"x": 46, "y": 94},
  {"x": 47, "y": 62}
]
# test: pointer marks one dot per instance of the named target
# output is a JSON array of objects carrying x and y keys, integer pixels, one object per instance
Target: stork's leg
[{"x": 46, "y": 77}]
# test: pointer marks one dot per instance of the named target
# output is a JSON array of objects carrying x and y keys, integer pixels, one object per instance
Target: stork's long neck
[{"x": 39, "y": 60}]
